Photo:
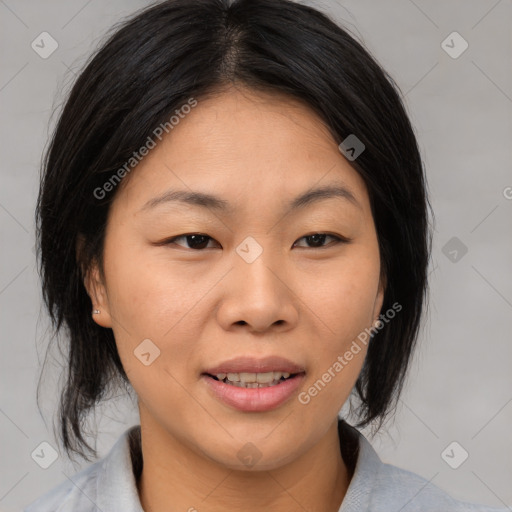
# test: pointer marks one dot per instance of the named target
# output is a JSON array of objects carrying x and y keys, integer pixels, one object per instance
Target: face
[{"x": 264, "y": 286}]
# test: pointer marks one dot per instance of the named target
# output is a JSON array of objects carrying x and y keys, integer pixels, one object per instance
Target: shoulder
[
  {"x": 105, "y": 485},
  {"x": 414, "y": 493},
  {"x": 382, "y": 487},
  {"x": 72, "y": 494}
]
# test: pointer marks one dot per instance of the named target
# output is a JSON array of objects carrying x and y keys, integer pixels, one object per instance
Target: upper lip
[{"x": 255, "y": 365}]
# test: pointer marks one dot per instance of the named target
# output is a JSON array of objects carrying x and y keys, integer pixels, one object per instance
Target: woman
[{"x": 233, "y": 221}]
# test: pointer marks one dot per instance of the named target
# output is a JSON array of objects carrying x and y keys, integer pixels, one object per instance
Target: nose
[{"x": 259, "y": 295}]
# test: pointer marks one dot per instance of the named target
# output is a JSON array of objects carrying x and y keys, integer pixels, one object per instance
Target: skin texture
[{"x": 299, "y": 300}]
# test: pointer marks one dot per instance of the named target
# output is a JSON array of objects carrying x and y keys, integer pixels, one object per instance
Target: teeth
[
  {"x": 252, "y": 380},
  {"x": 265, "y": 378},
  {"x": 252, "y": 384},
  {"x": 247, "y": 377}
]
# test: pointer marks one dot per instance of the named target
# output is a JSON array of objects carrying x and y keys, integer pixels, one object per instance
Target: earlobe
[{"x": 96, "y": 290}]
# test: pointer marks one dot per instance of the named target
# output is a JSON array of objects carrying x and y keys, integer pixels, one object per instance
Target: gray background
[{"x": 460, "y": 385}]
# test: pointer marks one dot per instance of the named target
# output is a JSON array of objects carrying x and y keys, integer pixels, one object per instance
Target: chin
[{"x": 253, "y": 455}]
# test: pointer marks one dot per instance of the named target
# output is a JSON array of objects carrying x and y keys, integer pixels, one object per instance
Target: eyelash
[{"x": 172, "y": 240}]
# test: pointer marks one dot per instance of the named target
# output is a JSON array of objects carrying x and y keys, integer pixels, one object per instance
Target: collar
[{"x": 117, "y": 477}]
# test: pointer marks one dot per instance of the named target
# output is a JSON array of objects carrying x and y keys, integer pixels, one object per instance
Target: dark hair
[{"x": 150, "y": 66}]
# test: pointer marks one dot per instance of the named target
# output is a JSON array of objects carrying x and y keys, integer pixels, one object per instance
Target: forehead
[{"x": 245, "y": 146}]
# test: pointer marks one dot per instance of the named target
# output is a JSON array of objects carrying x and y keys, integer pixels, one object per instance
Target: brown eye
[
  {"x": 196, "y": 241},
  {"x": 199, "y": 241},
  {"x": 317, "y": 240}
]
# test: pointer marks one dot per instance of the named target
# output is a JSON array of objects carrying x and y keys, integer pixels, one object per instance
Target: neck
[{"x": 174, "y": 475}]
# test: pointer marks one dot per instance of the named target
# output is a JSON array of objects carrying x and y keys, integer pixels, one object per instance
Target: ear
[
  {"x": 96, "y": 290},
  {"x": 379, "y": 299}
]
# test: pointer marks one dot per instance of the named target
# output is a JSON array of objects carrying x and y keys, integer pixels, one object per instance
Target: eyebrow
[{"x": 209, "y": 201}]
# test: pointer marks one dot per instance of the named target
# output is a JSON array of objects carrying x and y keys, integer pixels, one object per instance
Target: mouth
[
  {"x": 250, "y": 380},
  {"x": 254, "y": 385}
]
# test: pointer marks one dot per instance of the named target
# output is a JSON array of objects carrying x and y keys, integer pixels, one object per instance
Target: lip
[
  {"x": 251, "y": 364},
  {"x": 254, "y": 399}
]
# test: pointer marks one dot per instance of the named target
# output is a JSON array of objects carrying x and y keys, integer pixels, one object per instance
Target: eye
[
  {"x": 197, "y": 241},
  {"x": 317, "y": 239}
]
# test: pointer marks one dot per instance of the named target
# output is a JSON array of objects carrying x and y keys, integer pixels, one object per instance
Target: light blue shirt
[{"x": 109, "y": 485}]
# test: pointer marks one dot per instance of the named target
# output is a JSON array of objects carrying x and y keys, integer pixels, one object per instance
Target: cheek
[
  {"x": 148, "y": 291},
  {"x": 343, "y": 305},
  {"x": 343, "y": 300},
  {"x": 149, "y": 298}
]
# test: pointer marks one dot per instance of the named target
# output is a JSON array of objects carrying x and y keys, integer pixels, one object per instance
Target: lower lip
[{"x": 254, "y": 399}]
